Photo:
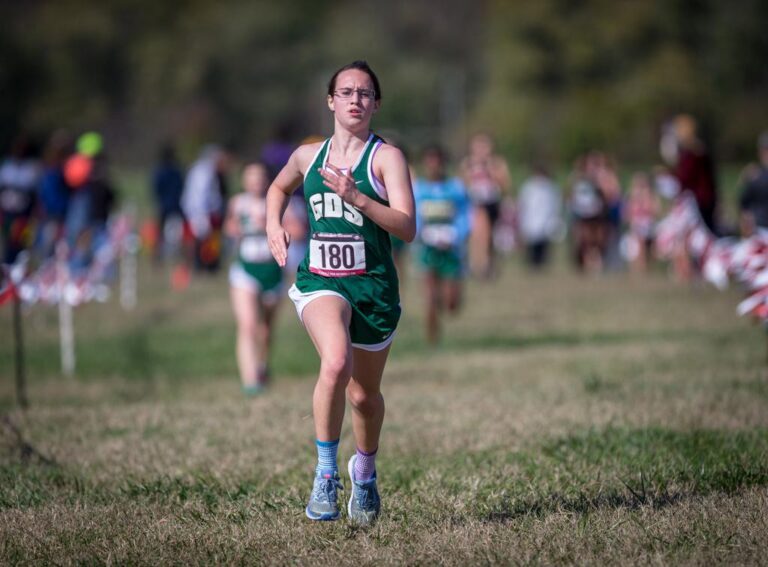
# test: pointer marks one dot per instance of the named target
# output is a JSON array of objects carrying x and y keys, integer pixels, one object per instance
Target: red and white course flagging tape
[
  {"x": 744, "y": 260},
  {"x": 47, "y": 284}
]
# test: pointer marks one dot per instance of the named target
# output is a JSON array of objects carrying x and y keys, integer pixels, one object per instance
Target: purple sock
[{"x": 365, "y": 465}]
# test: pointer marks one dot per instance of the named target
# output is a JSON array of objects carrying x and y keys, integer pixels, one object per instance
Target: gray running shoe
[
  {"x": 323, "y": 504},
  {"x": 364, "y": 502}
]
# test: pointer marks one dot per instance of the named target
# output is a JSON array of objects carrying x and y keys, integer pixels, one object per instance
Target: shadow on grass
[
  {"x": 650, "y": 467},
  {"x": 612, "y": 468},
  {"x": 581, "y": 504}
]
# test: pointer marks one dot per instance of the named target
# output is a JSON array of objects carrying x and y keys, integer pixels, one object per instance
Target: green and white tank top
[
  {"x": 252, "y": 247},
  {"x": 345, "y": 246}
]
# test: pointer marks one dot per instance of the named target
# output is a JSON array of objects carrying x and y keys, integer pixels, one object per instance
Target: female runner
[
  {"x": 486, "y": 176},
  {"x": 443, "y": 220},
  {"x": 358, "y": 192},
  {"x": 255, "y": 279}
]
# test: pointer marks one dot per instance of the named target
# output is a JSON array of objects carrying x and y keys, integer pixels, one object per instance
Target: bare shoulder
[
  {"x": 304, "y": 155},
  {"x": 389, "y": 155}
]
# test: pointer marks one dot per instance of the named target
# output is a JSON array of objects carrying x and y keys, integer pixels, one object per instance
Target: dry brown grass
[{"x": 565, "y": 420}]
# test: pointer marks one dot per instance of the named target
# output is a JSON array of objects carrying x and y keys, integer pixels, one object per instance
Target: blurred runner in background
[
  {"x": 641, "y": 211},
  {"x": 486, "y": 176},
  {"x": 443, "y": 222},
  {"x": 255, "y": 278},
  {"x": 589, "y": 217}
]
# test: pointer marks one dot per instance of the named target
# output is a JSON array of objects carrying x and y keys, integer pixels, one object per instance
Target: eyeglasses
[{"x": 365, "y": 94}]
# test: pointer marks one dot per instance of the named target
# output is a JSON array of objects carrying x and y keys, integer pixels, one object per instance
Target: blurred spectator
[
  {"x": 54, "y": 193},
  {"x": 167, "y": 187},
  {"x": 640, "y": 213},
  {"x": 19, "y": 178},
  {"x": 103, "y": 198},
  {"x": 589, "y": 212},
  {"x": 486, "y": 176},
  {"x": 753, "y": 202},
  {"x": 603, "y": 172},
  {"x": 91, "y": 199},
  {"x": 539, "y": 206},
  {"x": 78, "y": 170},
  {"x": 665, "y": 183},
  {"x": 276, "y": 152},
  {"x": 694, "y": 168},
  {"x": 203, "y": 202}
]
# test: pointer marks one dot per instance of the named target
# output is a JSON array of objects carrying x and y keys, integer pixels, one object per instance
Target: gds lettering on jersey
[{"x": 330, "y": 205}]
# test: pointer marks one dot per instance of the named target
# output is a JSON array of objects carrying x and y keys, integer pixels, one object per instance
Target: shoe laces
[
  {"x": 325, "y": 489},
  {"x": 364, "y": 496}
]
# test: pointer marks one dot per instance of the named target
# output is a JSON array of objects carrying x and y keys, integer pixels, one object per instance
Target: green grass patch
[{"x": 614, "y": 467}]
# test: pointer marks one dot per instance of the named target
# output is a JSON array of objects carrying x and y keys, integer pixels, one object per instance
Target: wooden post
[
  {"x": 128, "y": 272},
  {"x": 66, "y": 326},
  {"x": 21, "y": 377}
]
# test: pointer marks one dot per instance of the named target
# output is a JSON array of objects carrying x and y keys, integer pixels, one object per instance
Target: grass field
[{"x": 563, "y": 420}]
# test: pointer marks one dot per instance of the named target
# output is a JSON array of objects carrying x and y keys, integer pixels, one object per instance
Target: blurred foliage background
[{"x": 550, "y": 78}]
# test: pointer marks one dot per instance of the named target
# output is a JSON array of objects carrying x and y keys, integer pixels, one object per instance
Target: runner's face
[
  {"x": 481, "y": 145},
  {"x": 433, "y": 166},
  {"x": 356, "y": 109},
  {"x": 255, "y": 180}
]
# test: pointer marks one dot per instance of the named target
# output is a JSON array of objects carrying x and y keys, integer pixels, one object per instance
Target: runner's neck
[{"x": 346, "y": 148}]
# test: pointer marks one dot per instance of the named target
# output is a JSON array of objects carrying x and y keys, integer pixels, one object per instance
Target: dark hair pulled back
[{"x": 360, "y": 66}]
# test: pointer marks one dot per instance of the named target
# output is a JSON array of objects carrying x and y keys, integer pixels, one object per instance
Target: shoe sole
[
  {"x": 351, "y": 471},
  {"x": 322, "y": 517}
]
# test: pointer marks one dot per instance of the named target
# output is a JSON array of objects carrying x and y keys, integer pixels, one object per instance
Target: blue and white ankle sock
[
  {"x": 326, "y": 457},
  {"x": 365, "y": 465}
]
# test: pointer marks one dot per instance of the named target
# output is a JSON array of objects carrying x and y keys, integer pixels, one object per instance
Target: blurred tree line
[{"x": 548, "y": 78}]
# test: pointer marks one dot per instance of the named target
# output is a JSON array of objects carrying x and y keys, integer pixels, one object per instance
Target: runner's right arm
[
  {"x": 231, "y": 227},
  {"x": 278, "y": 194}
]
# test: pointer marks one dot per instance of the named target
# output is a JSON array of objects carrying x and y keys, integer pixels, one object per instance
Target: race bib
[
  {"x": 336, "y": 255},
  {"x": 254, "y": 248},
  {"x": 435, "y": 210},
  {"x": 438, "y": 235}
]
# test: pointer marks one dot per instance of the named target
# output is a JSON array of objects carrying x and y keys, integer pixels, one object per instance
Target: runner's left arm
[{"x": 399, "y": 217}]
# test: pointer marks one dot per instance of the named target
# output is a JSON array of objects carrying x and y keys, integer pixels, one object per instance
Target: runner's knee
[
  {"x": 247, "y": 326},
  {"x": 364, "y": 401},
  {"x": 335, "y": 368}
]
